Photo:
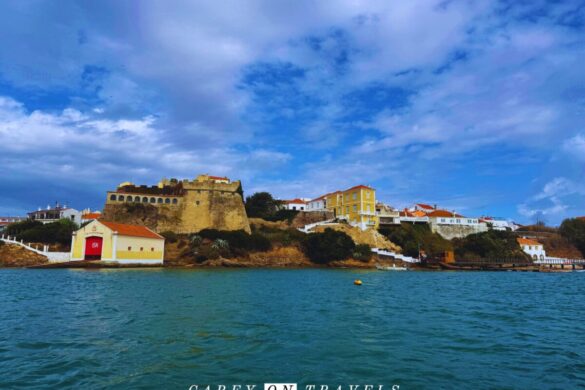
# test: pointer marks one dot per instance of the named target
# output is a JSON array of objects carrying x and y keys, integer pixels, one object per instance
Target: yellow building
[
  {"x": 357, "y": 205},
  {"x": 117, "y": 242}
]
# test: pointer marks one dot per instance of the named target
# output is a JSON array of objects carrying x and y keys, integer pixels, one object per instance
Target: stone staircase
[{"x": 397, "y": 256}]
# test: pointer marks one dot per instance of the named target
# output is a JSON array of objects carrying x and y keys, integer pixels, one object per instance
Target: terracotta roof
[
  {"x": 131, "y": 230},
  {"x": 91, "y": 216},
  {"x": 444, "y": 213},
  {"x": 359, "y": 186},
  {"x": 296, "y": 201},
  {"x": 425, "y": 206},
  {"x": 218, "y": 178},
  {"x": 527, "y": 241}
]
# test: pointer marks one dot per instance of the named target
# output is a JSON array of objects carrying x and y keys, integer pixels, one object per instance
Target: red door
[{"x": 93, "y": 248}]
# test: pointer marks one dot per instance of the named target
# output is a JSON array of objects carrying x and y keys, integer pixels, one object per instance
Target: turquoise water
[{"x": 173, "y": 328}]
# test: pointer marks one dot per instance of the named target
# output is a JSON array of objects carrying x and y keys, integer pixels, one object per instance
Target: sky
[{"x": 477, "y": 106}]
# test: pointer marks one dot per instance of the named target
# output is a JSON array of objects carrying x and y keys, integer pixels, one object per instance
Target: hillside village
[{"x": 208, "y": 221}]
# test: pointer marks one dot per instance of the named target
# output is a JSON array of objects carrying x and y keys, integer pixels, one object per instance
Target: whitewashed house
[
  {"x": 53, "y": 214},
  {"x": 317, "y": 204},
  {"x": 295, "y": 204},
  {"x": 532, "y": 248}
]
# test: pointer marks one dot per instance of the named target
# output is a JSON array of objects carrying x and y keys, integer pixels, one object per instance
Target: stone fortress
[{"x": 181, "y": 206}]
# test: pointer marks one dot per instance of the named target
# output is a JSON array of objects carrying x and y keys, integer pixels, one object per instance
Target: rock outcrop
[{"x": 17, "y": 256}]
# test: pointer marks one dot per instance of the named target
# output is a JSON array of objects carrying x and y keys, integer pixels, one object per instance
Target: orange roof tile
[
  {"x": 91, "y": 216},
  {"x": 425, "y": 206},
  {"x": 218, "y": 178},
  {"x": 359, "y": 186},
  {"x": 444, "y": 213},
  {"x": 297, "y": 201},
  {"x": 131, "y": 230},
  {"x": 527, "y": 241}
]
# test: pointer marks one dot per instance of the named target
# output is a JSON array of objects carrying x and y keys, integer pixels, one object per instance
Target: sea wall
[{"x": 450, "y": 232}]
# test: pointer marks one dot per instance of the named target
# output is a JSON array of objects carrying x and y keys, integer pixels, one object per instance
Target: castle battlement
[{"x": 191, "y": 205}]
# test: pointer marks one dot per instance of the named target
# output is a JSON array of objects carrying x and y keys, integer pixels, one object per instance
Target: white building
[
  {"x": 498, "y": 224},
  {"x": 295, "y": 204},
  {"x": 444, "y": 217},
  {"x": 5, "y": 221},
  {"x": 532, "y": 248},
  {"x": 317, "y": 204},
  {"x": 53, "y": 214}
]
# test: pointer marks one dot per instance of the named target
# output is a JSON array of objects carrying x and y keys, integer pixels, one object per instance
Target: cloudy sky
[{"x": 478, "y": 105}]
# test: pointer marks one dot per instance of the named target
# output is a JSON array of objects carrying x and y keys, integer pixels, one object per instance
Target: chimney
[{"x": 435, "y": 206}]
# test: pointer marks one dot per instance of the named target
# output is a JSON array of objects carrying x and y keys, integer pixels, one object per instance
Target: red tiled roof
[
  {"x": 131, "y": 230},
  {"x": 91, "y": 216},
  {"x": 583, "y": 218},
  {"x": 296, "y": 201},
  {"x": 527, "y": 241},
  {"x": 359, "y": 186},
  {"x": 425, "y": 206},
  {"x": 218, "y": 178},
  {"x": 444, "y": 213}
]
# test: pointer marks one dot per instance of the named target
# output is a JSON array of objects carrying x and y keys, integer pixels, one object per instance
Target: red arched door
[{"x": 93, "y": 248}]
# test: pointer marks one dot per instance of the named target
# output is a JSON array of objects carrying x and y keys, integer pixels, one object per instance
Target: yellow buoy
[{"x": 357, "y": 282}]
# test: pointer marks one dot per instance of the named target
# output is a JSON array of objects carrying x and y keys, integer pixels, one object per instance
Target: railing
[
  {"x": 53, "y": 257},
  {"x": 309, "y": 227},
  {"x": 395, "y": 255},
  {"x": 559, "y": 260}
]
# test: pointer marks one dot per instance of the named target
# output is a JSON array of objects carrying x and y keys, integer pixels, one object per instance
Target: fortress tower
[{"x": 182, "y": 206}]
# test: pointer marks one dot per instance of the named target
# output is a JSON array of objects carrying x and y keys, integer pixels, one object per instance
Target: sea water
[{"x": 164, "y": 328}]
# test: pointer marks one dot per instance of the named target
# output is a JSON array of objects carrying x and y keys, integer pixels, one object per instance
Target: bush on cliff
[
  {"x": 492, "y": 244},
  {"x": 283, "y": 215},
  {"x": 362, "y": 252},
  {"x": 574, "y": 231},
  {"x": 328, "y": 246},
  {"x": 285, "y": 237},
  {"x": 16, "y": 228},
  {"x": 261, "y": 205},
  {"x": 239, "y": 241},
  {"x": 410, "y": 236},
  {"x": 51, "y": 233},
  {"x": 170, "y": 237}
]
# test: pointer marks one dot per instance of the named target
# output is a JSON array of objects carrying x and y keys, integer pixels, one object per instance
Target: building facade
[
  {"x": 357, "y": 205},
  {"x": 118, "y": 243},
  {"x": 181, "y": 206},
  {"x": 53, "y": 214},
  {"x": 317, "y": 204},
  {"x": 294, "y": 204},
  {"x": 5, "y": 221},
  {"x": 532, "y": 248}
]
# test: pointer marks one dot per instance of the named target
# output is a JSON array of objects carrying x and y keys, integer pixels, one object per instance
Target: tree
[
  {"x": 261, "y": 205},
  {"x": 574, "y": 231},
  {"x": 493, "y": 244},
  {"x": 328, "y": 246}
]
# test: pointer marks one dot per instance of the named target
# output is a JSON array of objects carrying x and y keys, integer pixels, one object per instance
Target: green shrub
[
  {"x": 282, "y": 236},
  {"x": 239, "y": 241},
  {"x": 574, "y": 231},
  {"x": 18, "y": 227},
  {"x": 412, "y": 236},
  {"x": 328, "y": 246},
  {"x": 492, "y": 244},
  {"x": 362, "y": 252},
  {"x": 283, "y": 215},
  {"x": 51, "y": 233},
  {"x": 170, "y": 237},
  {"x": 261, "y": 205}
]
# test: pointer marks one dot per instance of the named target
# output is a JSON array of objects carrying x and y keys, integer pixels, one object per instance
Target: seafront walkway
[{"x": 53, "y": 257}]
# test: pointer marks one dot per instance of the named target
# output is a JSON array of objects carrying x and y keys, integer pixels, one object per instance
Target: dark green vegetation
[
  {"x": 492, "y": 244},
  {"x": 410, "y": 236},
  {"x": 169, "y": 236},
  {"x": 574, "y": 231},
  {"x": 284, "y": 237},
  {"x": 263, "y": 205},
  {"x": 362, "y": 252},
  {"x": 328, "y": 246},
  {"x": 58, "y": 232}
]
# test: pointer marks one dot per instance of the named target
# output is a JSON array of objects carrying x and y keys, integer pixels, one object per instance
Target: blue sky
[{"x": 478, "y": 106}]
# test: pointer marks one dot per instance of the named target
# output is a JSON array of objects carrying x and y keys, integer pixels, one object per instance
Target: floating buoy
[{"x": 357, "y": 282}]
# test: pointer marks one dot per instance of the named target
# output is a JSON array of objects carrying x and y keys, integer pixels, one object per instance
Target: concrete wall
[{"x": 458, "y": 231}]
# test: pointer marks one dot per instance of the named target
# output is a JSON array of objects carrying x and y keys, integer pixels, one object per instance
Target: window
[
  {"x": 197, "y": 202},
  {"x": 137, "y": 199},
  {"x": 112, "y": 197},
  {"x": 458, "y": 221},
  {"x": 175, "y": 201},
  {"x": 159, "y": 200},
  {"x": 152, "y": 200},
  {"x": 167, "y": 201},
  {"x": 442, "y": 219},
  {"x": 355, "y": 208},
  {"x": 152, "y": 249},
  {"x": 367, "y": 194},
  {"x": 145, "y": 200},
  {"x": 354, "y": 195},
  {"x": 141, "y": 249},
  {"x": 129, "y": 249},
  {"x": 368, "y": 208},
  {"x": 347, "y": 209},
  {"x": 121, "y": 198}
]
